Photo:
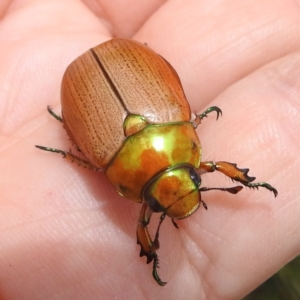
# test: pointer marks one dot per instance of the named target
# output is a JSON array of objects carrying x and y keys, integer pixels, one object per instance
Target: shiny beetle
[{"x": 124, "y": 109}]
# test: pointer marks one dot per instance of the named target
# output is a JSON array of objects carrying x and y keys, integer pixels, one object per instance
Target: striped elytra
[{"x": 111, "y": 81}]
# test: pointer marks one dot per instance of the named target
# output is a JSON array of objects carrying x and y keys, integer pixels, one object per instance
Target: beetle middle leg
[
  {"x": 71, "y": 157},
  {"x": 233, "y": 172},
  {"x": 149, "y": 246},
  {"x": 200, "y": 117},
  {"x": 60, "y": 119}
]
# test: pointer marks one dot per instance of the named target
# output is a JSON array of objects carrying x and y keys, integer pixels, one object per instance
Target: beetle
[{"x": 124, "y": 109}]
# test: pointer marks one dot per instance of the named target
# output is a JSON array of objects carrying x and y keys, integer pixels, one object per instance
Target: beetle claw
[
  {"x": 53, "y": 114},
  {"x": 209, "y": 110},
  {"x": 200, "y": 117}
]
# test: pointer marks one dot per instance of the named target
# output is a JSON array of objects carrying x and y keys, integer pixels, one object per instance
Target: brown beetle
[{"x": 124, "y": 108}]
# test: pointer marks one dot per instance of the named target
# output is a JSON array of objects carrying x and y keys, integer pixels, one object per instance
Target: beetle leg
[
  {"x": 204, "y": 204},
  {"x": 200, "y": 117},
  {"x": 149, "y": 247},
  {"x": 233, "y": 172},
  {"x": 53, "y": 114},
  {"x": 57, "y": 117},
  {"x": 175, "y": 224},
  {"x": 154, "y": 271},
  {"x": 231, "y": 190},
  {"x": 71, "y": 157},
  {"x": 156, "y": 239},
  {"x": 143, "y": 236}
]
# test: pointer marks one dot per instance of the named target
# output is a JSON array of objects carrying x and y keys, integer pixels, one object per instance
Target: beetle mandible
[{"x": 124, "y": 108}]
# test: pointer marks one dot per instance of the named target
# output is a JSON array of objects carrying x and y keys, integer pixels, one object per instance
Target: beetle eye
[{"x": 195, "y": 177}]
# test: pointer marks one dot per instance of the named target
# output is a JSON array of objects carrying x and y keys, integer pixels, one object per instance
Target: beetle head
[{"x": 174, "y": 192}]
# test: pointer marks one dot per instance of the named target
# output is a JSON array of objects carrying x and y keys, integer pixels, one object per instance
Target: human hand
[{"x": 66, "y": 234}]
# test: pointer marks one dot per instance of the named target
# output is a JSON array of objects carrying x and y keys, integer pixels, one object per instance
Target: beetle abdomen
[{"x": 108, "y": 82}]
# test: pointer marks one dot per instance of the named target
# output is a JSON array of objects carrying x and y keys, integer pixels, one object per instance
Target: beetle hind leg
[
  {"x": 71, "y": 157},
  {"x": 200, "y": 117},
  {"x": 236, "y": 174},
  {"x": 54, "y": 115}
]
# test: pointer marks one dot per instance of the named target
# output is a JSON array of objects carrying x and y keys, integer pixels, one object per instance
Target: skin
[{"x": 66, "y": 234}]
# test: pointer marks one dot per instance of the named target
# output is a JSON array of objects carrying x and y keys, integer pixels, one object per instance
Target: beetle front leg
[
  {"x": 148, "y": 246},
  {"x": 233, "y": 172},
  {"x": 71, "y": 157}
]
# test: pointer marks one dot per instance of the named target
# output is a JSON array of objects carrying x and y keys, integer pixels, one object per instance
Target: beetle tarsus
[
  {"x": 263, "y": 184},
  {"x": 53, "y": 114},
  {"x": 154, "y": 271},
  {"x": 200, "y": 117},
  {"x": 54, "y": 150},
  {"x": 71, "y": 157},
  {"x": 209, "y": 110}
]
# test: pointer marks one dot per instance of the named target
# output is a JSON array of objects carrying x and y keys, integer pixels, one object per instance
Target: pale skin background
[{"x": 64, "y": 232}]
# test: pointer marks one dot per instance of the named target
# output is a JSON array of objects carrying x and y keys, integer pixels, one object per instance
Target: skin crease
[{"x": 66, "y": 234}]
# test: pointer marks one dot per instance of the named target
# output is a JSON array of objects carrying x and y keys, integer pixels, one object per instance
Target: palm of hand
[{"x": 66, "y": 234}]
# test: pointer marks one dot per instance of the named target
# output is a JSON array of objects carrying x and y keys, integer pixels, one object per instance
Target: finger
[
  {"x": 213, "y": 45},
  {"x": 124, "y": 24}
]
